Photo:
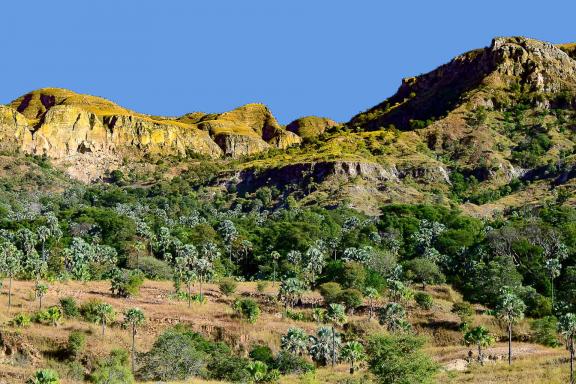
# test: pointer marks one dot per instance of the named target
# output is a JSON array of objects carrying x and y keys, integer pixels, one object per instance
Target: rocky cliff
[{"x": 62, "y": 124}]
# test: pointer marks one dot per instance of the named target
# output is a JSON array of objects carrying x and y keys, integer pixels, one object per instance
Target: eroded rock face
[
  {"x": 310, "y": 126},
  {"x": 62, "y": 125}
]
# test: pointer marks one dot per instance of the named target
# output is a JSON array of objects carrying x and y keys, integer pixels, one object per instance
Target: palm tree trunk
[
  {"x": 572, "y": 360},
  {"x": 480, "y": 359},
  {"x": 10, "y": 292},
  {"x": 509, "y": 343},
  {"x": 133, "y": 346},
  {"x": 552, "y": 285},
  {"x": 333, "y": 347},
  {"x": 189, "y": 295},
  {"x": 201, "y": 293},
  {"x": 40, "y": 299},
  {"x": 274, "y": 274}
]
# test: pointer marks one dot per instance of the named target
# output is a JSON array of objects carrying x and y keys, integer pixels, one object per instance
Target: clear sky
[{"x": 300, "y": 57}]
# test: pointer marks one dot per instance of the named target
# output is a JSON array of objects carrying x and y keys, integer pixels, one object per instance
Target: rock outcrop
[
  {"x": 62, "y": 124},
  {"x": 310, "y": 126}
]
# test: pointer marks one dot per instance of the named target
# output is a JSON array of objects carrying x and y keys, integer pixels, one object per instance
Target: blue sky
[{"x": 300, "y": 57}]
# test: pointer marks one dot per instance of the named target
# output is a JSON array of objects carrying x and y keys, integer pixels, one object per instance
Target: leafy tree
[
  {"x": 10, "y": 264},
  {"x": 330, "y": 292},
  {"x": 398, "y": 359},
  {"x": 510, "y": 310},
  {"x": 44, "y": 376},
  {"x": 105, "y": 313},
  {"x": 567, "y": 327},
  {"x": 353, "y": 352},
  {"x": 126, "y": 283},
  {"x": 324, "y": 346},
  {"x": 393, "y": 316},
  {"x": 336, "y": 315},
  {"x": 133, "y": 318},
  {"x": 294, "y": 341},
  {"x": 424, "y": 271},
  {"x": 480, "y": 337},
  {"x": 40, "y": 290},
  {"x": 544, "y": 331}
]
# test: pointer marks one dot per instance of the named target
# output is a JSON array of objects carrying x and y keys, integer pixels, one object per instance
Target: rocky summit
[{"x": 489, "y": 118}]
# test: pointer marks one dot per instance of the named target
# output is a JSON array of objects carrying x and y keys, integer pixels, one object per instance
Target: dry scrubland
[{"x": 533, "y": 363}]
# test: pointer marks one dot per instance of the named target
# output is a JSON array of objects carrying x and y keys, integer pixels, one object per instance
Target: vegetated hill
[{"x": 494, "y": 125}]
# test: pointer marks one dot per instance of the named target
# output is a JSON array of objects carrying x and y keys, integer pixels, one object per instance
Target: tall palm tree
[
  {"x": 393, "y": 316},
  {"x": 133, "y": 318},
  {"x": 371, "y": 294},
  {"x": 336, "y": 315},
  {"x": 353, "y": 352},
  {"x": 10, "y": 264},
  {"x": 105, "y": 314},
  {"x": 510, "y": 310},
  {"x": 567, "y": 327}
]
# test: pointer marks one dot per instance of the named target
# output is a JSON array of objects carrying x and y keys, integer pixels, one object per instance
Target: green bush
[
  {"x": 247, "y": 309},
  {"x": 261, "y": 286},
  {"x": 351, "y": 298},
  {"x": 89, "y": 310},
  {"x": 464, "y": 311},
  {"x": 154, "y": 269},
  {"x": 44, "y": 376},
  {"x": 76, "y": 344},
  {"x": 262, "y": 353},
  {"x": 227, "y": 286},
  {"x": 544, "y": 331},
  {"x": 21, "y": 320},
  {"x": 69, "y": 307},
  {"x": 330, "y": 292},
  {"x": 424, "y": 300},
  {"x": 291, "y": 364},
  {"x": 113, "y": 370},
  {"x": 126, "y": 283}
]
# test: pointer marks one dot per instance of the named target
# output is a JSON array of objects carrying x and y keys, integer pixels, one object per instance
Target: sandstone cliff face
[
  {"x": 62, "y": 124},
  {"x": 310, "y": 126}
]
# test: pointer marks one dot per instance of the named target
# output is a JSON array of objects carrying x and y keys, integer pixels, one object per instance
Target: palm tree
[
  {"x": 54, "y": 314},
  {"x": 315, "y": 264},
  {"x": 371, "y": 294},
  {"x": 325, "y": 345},
  {"x": 290, "y": 291},
  {"x": 567, "y": 327},
  {"x": 258, "y": 371},
  {"x": 481, "y": 337},
  {"x": 185, "y": 267},
  {"x": 44, "y": 376},
  {"x": 275, "y": 257},
  {"x": 553, "y": 268},
  {"x": 295, "y": 258},
  {"x": 393, "y": 316},
  {"x": 353, "y": 352},
  {"x": 40, "y": 290},
  {"x": 295, "y": 341},
  {"x": 43, "y": 233},
  {"x": 510, "y": 310},
  {"x": 133, "y": 318},
  {"x": 105, "y": 313},
  {"x": 336, "y": 314},
  {"x": 319, "y": 314},
  {"x": 10, "y": 264}
]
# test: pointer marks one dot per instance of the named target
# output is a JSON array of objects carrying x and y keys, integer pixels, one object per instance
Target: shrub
[
  {"x": 126, "y": 283},
  {"x": 69, "y": 307},
  {"x": 262, "y": 353},
  {"x": 288, "y": 363},
  {"x": 544, "y": 331},
  {"x": 464, "y": 310},
  {"x": 399, "y": 360},
  {"x": 298, "y": 316},
  {"x": 21, "y": 320},
  {"x": 89, "y": 310},
  {"x": 44, "y": 376},
  {"x": 154, "y": 269},
  {"x": 261, "y": 286},
  {"x": 247, "y": 309},
  {"x": 353, "y": 275},
  {"x": 113, "y": 370},
  {"x": 423, "y": 271},
  {"x": 76, "y": 344},
  {"x": 227, "y": 286},
  {"x": 351, "y": 298},
  {"x": 330, "y": 292},
  {"x": 424, "y": 300}
]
